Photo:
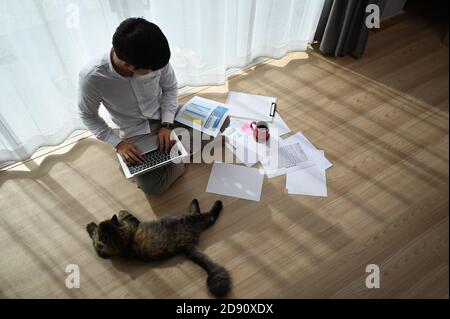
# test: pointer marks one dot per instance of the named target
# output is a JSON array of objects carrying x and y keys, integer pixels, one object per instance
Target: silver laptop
[{"x": 153, "y": 157}]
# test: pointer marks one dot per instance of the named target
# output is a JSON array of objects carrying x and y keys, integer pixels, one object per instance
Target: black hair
[{"x": 141, "y": 44}]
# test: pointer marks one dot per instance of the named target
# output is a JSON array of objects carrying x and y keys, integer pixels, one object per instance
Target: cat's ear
[
  {"x": 127, "y": 218},
  {"x": 115, "y": 220},
  {"x": 91, "y": 227}
]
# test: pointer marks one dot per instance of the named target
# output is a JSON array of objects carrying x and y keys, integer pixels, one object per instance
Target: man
[{"x": 137, "y": 85}]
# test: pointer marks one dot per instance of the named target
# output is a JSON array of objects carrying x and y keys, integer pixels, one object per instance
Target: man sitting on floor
[{"x": 137, "y": 85}]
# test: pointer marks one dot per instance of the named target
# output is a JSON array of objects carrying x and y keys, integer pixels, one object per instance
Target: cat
[{"x": 125, "y": 235}]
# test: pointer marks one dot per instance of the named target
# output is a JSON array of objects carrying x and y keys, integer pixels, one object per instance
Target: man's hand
[
  {"x": 130, "y": 153},
  {"x": 164, "y": 141}
]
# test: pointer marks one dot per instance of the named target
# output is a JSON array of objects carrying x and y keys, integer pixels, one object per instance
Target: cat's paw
[
  {"x": 218, "y": 204},
  {"x": 91, "y": 228}
]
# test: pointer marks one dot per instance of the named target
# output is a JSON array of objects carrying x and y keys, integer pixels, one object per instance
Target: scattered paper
[
  {"x": 284, "y": 156},
  {"x": 235, "y": 181},
  {"x": 296, "y": 156},
  {"x": 244, "y": 155},
  {"x": 320, "y": 159},
  {"x": 311, "y": 181},
  {"x": 318, "y": 156},
  {"x": 279, "y": 125},
  {"x": 289, "y": 155},
  {"x": 282, "y": 171}
]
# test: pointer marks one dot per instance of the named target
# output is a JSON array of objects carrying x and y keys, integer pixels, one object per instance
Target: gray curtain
[{"x": 341, "y": 29}]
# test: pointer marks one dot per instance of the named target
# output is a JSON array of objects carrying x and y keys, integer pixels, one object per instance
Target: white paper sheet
[
  {"x": 311, "y": 181},
  {"x": 318, "y": 156},
  {"x": 235, "y": 181},
  {"x": 243, "y": 154},
  {"x": 250, "y": 106},
  {"x": 280, "y": 125},
  {"x": 320, "y": 159},
  {"x": 291, "y": 157},
  {"x": 282, "y": 171}
]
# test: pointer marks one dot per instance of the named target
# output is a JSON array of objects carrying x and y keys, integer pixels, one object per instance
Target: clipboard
[{"x": 253, "y": 107}]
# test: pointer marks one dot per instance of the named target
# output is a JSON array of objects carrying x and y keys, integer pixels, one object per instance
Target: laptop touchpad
[{"x": 147, "y": 144}]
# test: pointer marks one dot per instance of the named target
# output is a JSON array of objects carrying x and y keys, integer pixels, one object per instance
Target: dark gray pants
[{"x": 159, "y": 180}]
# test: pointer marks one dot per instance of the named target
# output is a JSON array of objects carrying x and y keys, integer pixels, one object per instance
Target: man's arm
[
  {"x": 88, "y": 105},
  {"x": 169, "y": 97},
  {"x": 169, "y": 105}
]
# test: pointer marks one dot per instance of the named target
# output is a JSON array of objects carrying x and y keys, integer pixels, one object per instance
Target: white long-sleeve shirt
[{"x": 131, "y": 101}]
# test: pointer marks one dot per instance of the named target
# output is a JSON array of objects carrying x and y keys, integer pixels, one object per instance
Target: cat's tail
[{"x": 219, "y": 282}]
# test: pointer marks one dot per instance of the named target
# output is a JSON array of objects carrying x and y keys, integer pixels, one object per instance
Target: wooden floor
[{"x": 382, "y": 120}]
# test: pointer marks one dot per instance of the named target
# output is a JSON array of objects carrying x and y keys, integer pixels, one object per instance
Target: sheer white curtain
[{"x": 44, "y": 43}]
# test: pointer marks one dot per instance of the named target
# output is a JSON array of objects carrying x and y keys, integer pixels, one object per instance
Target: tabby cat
[{"x": 127, "y": 236}]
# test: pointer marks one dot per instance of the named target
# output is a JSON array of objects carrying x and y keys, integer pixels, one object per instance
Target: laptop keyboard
[{"x": 153, "y": 158}]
